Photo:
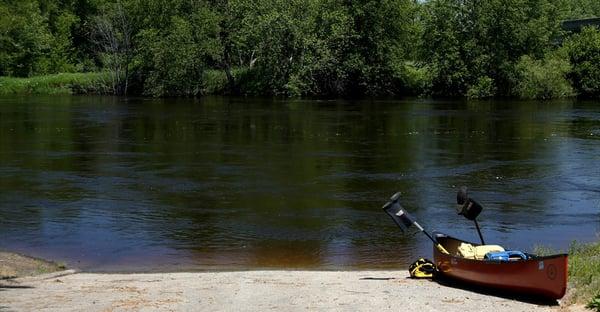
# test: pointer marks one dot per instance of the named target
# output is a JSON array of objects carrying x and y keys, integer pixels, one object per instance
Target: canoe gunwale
[{"x": 437, "y": 234}]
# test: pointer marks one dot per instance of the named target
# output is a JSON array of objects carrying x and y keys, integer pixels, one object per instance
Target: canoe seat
[{"x": 476, "y": 252}]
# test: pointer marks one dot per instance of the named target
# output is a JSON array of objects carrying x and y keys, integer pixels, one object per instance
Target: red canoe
[{"x": 540, "y": 276}]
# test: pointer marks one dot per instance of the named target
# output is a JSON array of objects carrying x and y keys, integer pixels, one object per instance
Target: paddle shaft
[
  {"x": 440, "y": 247},
  {"x": 479, "y": 231}
]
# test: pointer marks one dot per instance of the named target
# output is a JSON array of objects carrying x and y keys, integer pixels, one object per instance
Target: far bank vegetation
[{"x": 466, "y": 48}]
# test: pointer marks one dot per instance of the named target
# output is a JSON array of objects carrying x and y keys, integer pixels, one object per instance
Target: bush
[
  {"x": 584, "y": 55},
  {"x": 416, "y": 80},
  {"x": 543, "y": 79},
  {"x": 483, "y": 88},
  {"x": 214, "y": 82}
]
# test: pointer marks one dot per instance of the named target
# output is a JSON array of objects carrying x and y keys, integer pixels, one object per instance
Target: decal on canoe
[{"x": 551, "y": 271}]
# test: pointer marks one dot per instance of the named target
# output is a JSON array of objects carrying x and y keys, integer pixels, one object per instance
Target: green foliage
[
  {"x": 543, "y": 251},
  {"x": 543, "y": 79},
  {"x": 483, "y": 88},
  {"x": 385, "y": 33},
  {"x": 416, "y": 80},
  {"x": 214, "y": 82},
  {"x": 45, "y": 36},
  {"x": 594, "y": 304},
  {"x": 24, "y": 38},
  {"x": 470, "y": 48},
  {"x": 322, "y": 47},
  {"x": 584, "y": 55},
  {"x": 61, "y": 58},
  {"x": 178, "y": 54},
  {"x": 582, "y": 8},
  {"x": 466, "y": 41},
  {"x": 584, "y": 270},
  {"x": 75, "y": 83}
]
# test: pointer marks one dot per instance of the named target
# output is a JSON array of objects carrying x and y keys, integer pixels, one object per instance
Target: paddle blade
[
  {"x": 466, "y": 206},
  {"x": 462, "y": 196},
  {"x": 397, "y": 213}
]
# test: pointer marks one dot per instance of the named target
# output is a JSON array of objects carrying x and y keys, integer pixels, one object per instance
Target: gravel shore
[{"x": 249, "y": 291}]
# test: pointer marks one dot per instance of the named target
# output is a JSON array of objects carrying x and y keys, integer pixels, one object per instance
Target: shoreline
[
  {"x": 98, "y": 83},
  {"x": 87, "y": 83},
  {"x": 252, "y": 291},
  {"x": 247, "y": 290},
  {"x": 17, "y": 265}
]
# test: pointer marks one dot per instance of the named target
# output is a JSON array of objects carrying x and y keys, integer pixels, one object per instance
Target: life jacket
[{"x": 422, "y": 268}]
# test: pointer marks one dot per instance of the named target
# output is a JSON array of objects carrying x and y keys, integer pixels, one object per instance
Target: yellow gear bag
[
  {"x": 477, "y": 252},
  {"x": 422, "y": 268}
]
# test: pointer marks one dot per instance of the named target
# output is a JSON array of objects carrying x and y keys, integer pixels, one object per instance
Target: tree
[
  {"x": 24, "y": 39},
  {"x": 177, "y": 55},
  {"x": 465, "y": 40},
  {"x": 113, "y": 32},
  {"x": 584, "y": 55}
]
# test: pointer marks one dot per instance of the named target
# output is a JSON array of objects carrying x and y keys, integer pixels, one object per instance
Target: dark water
[{"x": 231, "y": 183}]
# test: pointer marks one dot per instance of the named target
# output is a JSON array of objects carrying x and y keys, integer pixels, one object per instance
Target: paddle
[
  {"x": 469, "y": 208},
  {"x": 405, "y": 220}
]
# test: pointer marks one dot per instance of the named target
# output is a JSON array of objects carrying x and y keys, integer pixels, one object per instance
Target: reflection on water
[{"x": 230, "y": 183}]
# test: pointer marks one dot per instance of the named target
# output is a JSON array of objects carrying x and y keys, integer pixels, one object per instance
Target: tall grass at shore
[
  {"x": 65, "y": 83},
  {"x": 584, "y": 273}
]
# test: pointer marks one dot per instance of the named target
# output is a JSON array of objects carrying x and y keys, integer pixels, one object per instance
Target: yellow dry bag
[{"x": 422, "y": 268}]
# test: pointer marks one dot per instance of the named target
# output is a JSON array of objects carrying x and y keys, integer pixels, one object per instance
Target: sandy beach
[{"x": 249, "y": 291}]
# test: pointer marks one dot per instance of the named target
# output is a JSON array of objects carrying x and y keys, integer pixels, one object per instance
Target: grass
[
  {"x": 594, "y": 304},
  {"x": 65, "y": 83},
  {"x": 214, "y": 81},
  {"x": 14, "y": 265},
  {"x": 584, "y": 272}
]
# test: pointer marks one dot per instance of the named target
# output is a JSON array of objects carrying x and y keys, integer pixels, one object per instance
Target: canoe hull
[{"x": 540, "y": 276}]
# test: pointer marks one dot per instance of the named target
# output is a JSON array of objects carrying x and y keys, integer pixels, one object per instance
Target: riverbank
[
  {"x": 253, "y": 291},
  {"x": 59, "y": 290},
  {"x": 13, "y": 265},
  {"x": 584, "y": 274},
  {"x": 65, "y": 83},
  {"x": 214, "y": 82}
]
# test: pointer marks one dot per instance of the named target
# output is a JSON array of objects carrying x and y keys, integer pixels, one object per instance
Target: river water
[{"x": 131, "y": 184}]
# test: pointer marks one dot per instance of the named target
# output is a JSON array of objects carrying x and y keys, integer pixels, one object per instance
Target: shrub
[
  {"x": 543, "y": 79},
  {"x": 416, "y": 80},
  {"x": 584, "y": 55},
  {"x": 483, "y": 88}
]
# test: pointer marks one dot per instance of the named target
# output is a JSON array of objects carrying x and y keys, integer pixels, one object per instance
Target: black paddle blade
[
  {"x": 461, "y": 199},
  {"x": 397, "y": 213},
  {"x": 462, "y": 196},
  {"x": 467, "y": 207}
]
